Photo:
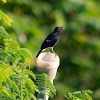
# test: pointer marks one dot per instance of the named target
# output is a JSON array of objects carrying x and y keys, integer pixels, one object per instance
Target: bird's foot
[
  {"x": 54, "y": 53},
  {"x": 48, "y": 50}
]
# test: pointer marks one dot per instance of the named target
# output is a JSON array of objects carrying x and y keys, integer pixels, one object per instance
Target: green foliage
[
  {"x": 46, "y": 85},
  {"x": 5, "y": 17},
  {"x": 79, "y": 95},
  {"x": 4, "y": 1},
  {"x": 11, "y": 45},
  {"x": 15, "y": 79},
  {"x": 5, "y": 71},
  {"x": 3, "y": 33}
]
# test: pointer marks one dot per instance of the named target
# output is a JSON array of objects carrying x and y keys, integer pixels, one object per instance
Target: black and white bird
[{"x": 51, "y": 40}]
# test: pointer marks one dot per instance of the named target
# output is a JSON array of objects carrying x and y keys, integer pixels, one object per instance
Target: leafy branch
[
  {"x": 79, "y": 95},
  {"x": 15, "y": 81},
  {"x": 5, "y": 18},
  {"x": 46, "y": 85}
]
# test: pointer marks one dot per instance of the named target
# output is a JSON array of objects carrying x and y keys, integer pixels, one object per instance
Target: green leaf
[
  {"x": 5, "y": 71},
  {"x": 12, "y": 84},
  {"x": 78, "y": 95},
  {"x": 5, "y": 91},
  {"x": 11, "y": 44},
  {"x": 4, "y": 1},
  {"x": 28, "y": 61},
  {"x": 29, "y": 88},
  {"x": 3, "y": 32},
  {"x": 30, "y": 73},
  {"x": 32, "y": 85},
  {"x": 46, "y": 85},
  {"x": 88, "y": 91},
  {"x": 5, "y": 18}
]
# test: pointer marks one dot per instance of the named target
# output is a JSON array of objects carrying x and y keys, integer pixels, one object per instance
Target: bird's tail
[{"x": 39, "y": 53}]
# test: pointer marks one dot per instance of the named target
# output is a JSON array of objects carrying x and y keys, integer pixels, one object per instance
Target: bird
[{"x": 51, "y": 40}]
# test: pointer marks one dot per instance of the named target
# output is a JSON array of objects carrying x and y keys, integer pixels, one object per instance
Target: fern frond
[
  {"x": 12, "y": 87},
  {"x": 4, "y": 1},
  {"x": 22, "y": 53},
  {"x": 29, "y": 84},
  {"x": 3, "y": 33},
  {"x": 21, "y": 64},
  {"x": 11, "y": 44},
  {"x": 28, "y": 89},
  {"x": 33, "y": 97},
  {"x": 46, "y": 85},
  {"x": 1, "y": 54},
  {"x": 30, "y": 73},
  {"x": 16, "y": 80},
  {"x": 17, "y": 55},
  {"x": 79, "y": 95},
  {"x": 5, "y": 18},
  {"x": 5, "y": 71},
  {"x": 5, "y": 91},
  {"x": 25, "y": 53},
  {"x": 12, "y": 84}
]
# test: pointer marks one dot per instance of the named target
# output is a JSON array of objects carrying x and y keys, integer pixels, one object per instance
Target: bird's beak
[{"x": 63, "y": 28}]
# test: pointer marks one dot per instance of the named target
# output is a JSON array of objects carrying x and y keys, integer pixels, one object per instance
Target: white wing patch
[{"x": 48, "y": 40}]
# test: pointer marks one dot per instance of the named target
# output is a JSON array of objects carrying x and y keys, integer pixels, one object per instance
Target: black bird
[{"x": 51, "y": 40}]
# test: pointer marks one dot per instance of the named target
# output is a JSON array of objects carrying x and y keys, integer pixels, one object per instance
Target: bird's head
[{"x": 58, "y": 29}]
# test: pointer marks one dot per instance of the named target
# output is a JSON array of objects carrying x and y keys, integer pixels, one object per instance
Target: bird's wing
[
  {"x": 50, "y": 38},
  {"x": 49, "y": 41}
]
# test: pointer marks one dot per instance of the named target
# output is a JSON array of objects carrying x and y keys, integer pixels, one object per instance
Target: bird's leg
[
  {"x": 53, "y": 51},
  {"x": 48, "y": 50}
]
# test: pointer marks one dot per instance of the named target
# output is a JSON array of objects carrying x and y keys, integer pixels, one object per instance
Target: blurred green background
[{"x": 79, "y": 46}]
